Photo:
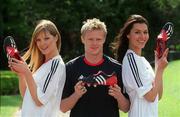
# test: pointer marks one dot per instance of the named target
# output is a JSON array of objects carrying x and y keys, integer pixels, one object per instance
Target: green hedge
[{"x": 9, "y": 83}]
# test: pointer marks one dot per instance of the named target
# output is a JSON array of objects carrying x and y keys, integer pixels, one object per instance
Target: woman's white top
[
  {"x": 50, "y": 80},
  {"x": 138, "y": 77}
]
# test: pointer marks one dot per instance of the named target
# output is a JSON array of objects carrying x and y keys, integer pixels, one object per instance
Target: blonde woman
[{"x": 42, "y": 81}]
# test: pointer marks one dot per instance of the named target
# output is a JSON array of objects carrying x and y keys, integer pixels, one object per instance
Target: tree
[{"x": 18, "y": 18}]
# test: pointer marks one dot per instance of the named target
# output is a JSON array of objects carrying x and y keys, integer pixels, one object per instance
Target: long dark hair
[{"x": 121, "y": 42}]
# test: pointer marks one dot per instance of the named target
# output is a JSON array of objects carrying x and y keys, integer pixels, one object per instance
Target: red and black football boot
[
  {"x": 100, "y": 79},
  {"x": 10, "y": 48},
  {"x": 161, "y": 41}
]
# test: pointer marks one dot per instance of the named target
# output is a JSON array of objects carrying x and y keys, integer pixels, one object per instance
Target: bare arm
[
  {"x": 157, "y": 89},
  {"x": 32, "y": 88},
  {"x": 22, "y": 85},
  {"x": 69, "y": 102},
  {"x": 20, "y": 67},
  {"x": 22, "y": 82},
  {"x": 123, "y": 103}
]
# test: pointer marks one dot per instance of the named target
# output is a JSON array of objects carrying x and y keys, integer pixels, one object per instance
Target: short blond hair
[{"x": 93, "y": 24}]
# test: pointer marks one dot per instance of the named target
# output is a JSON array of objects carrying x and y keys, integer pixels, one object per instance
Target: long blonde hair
[{"x": 36, "y": 58}]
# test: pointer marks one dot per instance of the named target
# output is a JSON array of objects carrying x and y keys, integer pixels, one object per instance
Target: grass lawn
[
  {"x": 9, "y": 105},
  {"x": 169, "y": 105}
]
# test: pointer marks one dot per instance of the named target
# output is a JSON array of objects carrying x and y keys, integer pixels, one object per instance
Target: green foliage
[
  {"x": 18, "y": 18},
  {"x": 9, "y": 105},
  {"x": 9, "y": 83}
]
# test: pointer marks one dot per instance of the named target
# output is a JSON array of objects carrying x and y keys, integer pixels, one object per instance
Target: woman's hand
[{"x": 18, "y": 66}]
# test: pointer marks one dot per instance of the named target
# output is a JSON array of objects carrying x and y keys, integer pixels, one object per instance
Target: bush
[{"x": 9, "y": 83}]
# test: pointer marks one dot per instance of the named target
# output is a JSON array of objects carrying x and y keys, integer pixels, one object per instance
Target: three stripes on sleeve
[
  {"x": 134, "y": 69},
  {"x": 54, "y": 66}
]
